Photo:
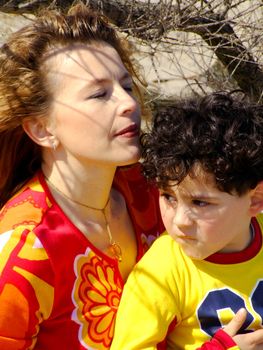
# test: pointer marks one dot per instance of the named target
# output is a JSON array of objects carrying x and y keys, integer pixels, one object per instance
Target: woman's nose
[{"x": 127, "y": 102}]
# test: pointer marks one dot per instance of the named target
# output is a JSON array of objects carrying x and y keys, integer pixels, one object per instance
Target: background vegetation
[{"x": 184, "y": 46}]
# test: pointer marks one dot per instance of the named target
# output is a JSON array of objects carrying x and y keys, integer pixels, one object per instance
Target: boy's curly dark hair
[{"x": 221, "y": 132}]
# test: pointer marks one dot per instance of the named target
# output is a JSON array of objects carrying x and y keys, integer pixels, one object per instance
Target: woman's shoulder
[
  {"x": 142, "y": 199},
  {"x": 129, "y": 173},
  {"x": 26, "y": 207},
  {"x": 20, "y": 218},
  {"x": 131, "y": 182}
]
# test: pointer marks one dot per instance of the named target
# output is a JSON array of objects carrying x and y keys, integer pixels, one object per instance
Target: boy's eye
[
  {"x": 169, "y": 198},
  {"x": 200, "y": 203}
]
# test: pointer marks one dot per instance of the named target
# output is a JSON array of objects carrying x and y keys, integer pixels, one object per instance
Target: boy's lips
[
  {"x": 185, "y": 237},
  {"x": 129, "y": 131}
]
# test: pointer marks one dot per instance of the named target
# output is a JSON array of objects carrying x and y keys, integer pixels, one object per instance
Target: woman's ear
[
  {"x": 256, "y": 205},
  {"x": 38, "y": 130}
]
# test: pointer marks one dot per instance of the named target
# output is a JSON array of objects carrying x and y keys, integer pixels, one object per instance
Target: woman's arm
[{"x": 26, "y": 298}]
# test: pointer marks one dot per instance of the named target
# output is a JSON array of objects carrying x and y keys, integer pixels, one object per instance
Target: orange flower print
[{"x": 96, "y": 295}]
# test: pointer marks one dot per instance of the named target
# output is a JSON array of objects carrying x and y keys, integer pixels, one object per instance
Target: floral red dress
[{"x": 57, "y": 291}]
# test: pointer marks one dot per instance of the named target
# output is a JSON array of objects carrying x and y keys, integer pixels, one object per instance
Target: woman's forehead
[
  {"x": 83, "y": 64},
  {"x": 96, "y": 60}
]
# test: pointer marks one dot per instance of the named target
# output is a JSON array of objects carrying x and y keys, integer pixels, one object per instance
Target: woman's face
[{"x": 95, "y": 116}]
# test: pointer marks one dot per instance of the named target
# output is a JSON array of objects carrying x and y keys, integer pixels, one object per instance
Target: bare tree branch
[
  {"x": 21, "y": 7},
  {"x": 151, "y": 23},
  {"x": 140, "y": 19},
  {"x": 220, "y": 36}
]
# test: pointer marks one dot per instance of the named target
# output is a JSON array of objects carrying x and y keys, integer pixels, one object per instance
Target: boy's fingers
[
  {"x": 253, "y": 340},
  {"x": 235, "y": 324},
  {"x": 257, "y": 336}
]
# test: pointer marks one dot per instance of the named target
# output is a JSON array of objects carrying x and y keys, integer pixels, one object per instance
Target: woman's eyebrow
[
  {"x": 99, "y": 81},
  {"x": 126, "y": 76}
]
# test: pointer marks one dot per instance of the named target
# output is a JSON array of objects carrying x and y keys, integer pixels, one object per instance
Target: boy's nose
[{"x": 182, "y": 217}]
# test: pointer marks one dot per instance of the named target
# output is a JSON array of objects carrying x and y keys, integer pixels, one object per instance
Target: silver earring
[{"x": 54, "y": 145}]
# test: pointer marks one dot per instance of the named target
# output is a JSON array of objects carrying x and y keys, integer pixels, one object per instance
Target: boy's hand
[
  {"x": 236, "y": 323},
  {"x": 248, "y": 341}
]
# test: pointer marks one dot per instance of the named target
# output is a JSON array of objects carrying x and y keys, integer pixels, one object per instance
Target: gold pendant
[{"x": 115, "y": 251}]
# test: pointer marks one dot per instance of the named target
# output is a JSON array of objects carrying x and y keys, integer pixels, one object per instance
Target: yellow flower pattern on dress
[
  {"x": 96, "y": 295},
  {"x": 58, "y": 290}
]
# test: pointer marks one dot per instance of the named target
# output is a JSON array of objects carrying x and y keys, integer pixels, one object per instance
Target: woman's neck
[{"x": 91, "y": 188}]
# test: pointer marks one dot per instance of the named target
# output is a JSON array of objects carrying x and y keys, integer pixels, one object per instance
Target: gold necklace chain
[{"x": 114, "y": 248}]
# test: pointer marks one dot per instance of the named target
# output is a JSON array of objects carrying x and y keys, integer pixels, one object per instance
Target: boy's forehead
[
  {"x": 198, "y": 181},
  {"x": 201, "y": 175},
  {"x": 196, "y": 173}
]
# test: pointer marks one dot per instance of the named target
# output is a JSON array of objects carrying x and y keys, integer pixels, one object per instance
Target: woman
[{"x": 76, "y": 214}]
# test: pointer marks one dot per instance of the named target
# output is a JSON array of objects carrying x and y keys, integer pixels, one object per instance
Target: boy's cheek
[
  {"x": 164, "y": 208},
  {"x": 167, "y": 214}
]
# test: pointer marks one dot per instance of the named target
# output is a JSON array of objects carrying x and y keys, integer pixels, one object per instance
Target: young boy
[{"x": 206, "y": 156}]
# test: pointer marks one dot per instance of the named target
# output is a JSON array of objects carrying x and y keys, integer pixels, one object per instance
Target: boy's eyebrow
[
  {"x": 168, "y": 191},
  {"x": 192, "y": 195},
  {"x": 196, "y": 195},
  {"x": 202, "y": 196}
]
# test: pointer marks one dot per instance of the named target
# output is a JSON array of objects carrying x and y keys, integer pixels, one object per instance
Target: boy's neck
[{"x": 246, "y": 254}]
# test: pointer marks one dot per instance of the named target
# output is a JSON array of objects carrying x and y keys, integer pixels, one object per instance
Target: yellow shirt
[{"x": 193, "y": 298}]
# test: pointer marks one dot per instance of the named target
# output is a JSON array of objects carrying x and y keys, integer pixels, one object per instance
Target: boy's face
[{"x": 203, "y": 220}]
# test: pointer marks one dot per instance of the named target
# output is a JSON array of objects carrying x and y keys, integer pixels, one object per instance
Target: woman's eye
[
  {"x": 128, "y": 88},
  {"x": 100, "y": 94}
]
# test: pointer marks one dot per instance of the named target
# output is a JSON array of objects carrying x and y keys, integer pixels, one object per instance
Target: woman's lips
[{"x": 130, "y": 131}]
